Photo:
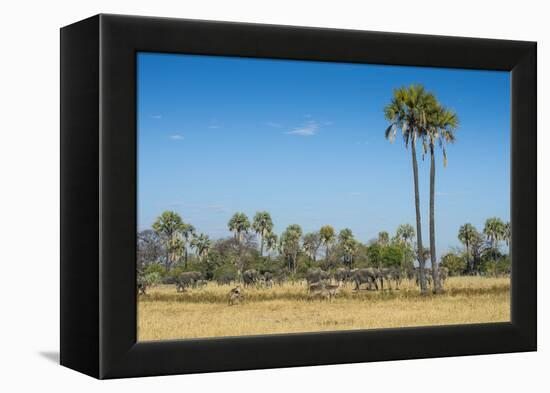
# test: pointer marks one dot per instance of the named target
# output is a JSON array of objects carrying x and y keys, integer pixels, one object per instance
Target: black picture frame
[{"x": 98, "y": 196}]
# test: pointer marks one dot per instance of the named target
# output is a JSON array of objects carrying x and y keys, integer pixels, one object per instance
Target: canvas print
[{"x": 283, "y": 196}]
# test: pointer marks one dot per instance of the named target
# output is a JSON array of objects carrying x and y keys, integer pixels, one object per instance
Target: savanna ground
[{"x": 165, "y": 314}]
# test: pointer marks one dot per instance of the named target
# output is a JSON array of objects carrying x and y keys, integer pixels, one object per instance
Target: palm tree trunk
[
  {"x": 433, "y": 256},
  {"x": 185, "y": 258},
  {"x": 420, "y": 247},
  {"x": 261, "y": 245},
  {"x": 470, "y": 264}
]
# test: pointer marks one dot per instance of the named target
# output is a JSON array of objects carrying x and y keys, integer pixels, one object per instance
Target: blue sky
[{"x": 305, "y": 141}]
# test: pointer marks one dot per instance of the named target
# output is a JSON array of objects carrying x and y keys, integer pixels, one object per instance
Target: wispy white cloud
[
  {"x": 355, "y": 193},
  {"x": 156, "y": 116},
  {"x": 214, "y": 126},
  {"x": 308, "y": 129},
  {"x": 175, "y": 137},
  {"x": 273, "y": 124}
]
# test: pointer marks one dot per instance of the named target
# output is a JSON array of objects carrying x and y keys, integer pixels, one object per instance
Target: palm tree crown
[
  {"x": 327, "y": 237},
  {"x": 270, "y": 241},
  {"x": 404, "y": 233},
  {"x": 466, "y": 234},
  {"x": 202, "y": 244},
  {"x": 262, "y": 224},
  {"x": 290, "y": 243},
  {"x": 441, "y": 126},
  {"x": 409, "y": 111},
  {"x": 169, "y": 226},
  {"x": 495, "y": 230},
  {"x": 239, "y": 224},
  {"x": 312, "y": 242}
]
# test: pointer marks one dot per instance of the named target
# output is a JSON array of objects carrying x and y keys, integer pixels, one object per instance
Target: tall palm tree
[
  {"x": 408, "y": 112},
  {"x": 312, "y": 242},
  {"x": 441, "y": 128},
  {"x": 290, "y": 244},
  {"x": 494, "y": 230},
  {"x": 167, "y": 226},
  {"x": 188, "y": 233},
  {"x": 327, "y": 237},
  {"x": 348, "y": 243},
  {"x": 404, "y": 233},
  {"x": 270, "y": 241},
  {"x": 202, "y": 244},
  {"x": 262, "y": 224},
  {"x": 466, "y": 235},
  {"x": 507, "y": 233},
  {"x": 239, "y": 225},
  {"x": 176, "y": 247},
  {"x": 383, "y": 238}
]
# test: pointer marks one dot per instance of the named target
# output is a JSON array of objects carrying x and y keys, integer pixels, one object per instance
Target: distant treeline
[{"x": 173, "y": 246}]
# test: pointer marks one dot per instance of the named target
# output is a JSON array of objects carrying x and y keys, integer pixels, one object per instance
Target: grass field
[{"x": 164, "y": 314}]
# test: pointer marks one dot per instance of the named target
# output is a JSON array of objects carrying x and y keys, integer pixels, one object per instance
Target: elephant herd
[
  {"x": 370, "y": 277},
  {"x": 320, "y": 283}
]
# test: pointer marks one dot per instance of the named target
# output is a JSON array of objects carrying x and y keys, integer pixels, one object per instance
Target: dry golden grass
[{"x": 164, "y": 314}]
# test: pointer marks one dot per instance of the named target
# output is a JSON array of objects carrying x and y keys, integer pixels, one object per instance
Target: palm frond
[{"x": 390, "y": 133}]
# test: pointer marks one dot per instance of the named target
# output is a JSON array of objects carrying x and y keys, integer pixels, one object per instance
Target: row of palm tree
[
  {"x": 261, "y": 224},
  {"x": 475, "y": 243},
  {"x": 293, "y": 241},
  {"x": 178, "y": 236},
  {"x": 420, "y": 118}
]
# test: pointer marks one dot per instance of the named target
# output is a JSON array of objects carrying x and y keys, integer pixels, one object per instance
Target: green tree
[
  {"x": 407, "y": 112},
  {"x": 454, "y": 263},
  {"x": 466, "y": 235},
  {"x": 441, "y": 128},
  {"x": 392, "y": 255},
  {"x": 168, "y": 226},
  {"x": 290, "y": 244},
  {"x": 374, "y": 255},
  {"x": 154, "y": 268},
  {"x": 262, "y": 225},
  {"x": 327, "y": 237},
  {"x": 312, "y": 243}
]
